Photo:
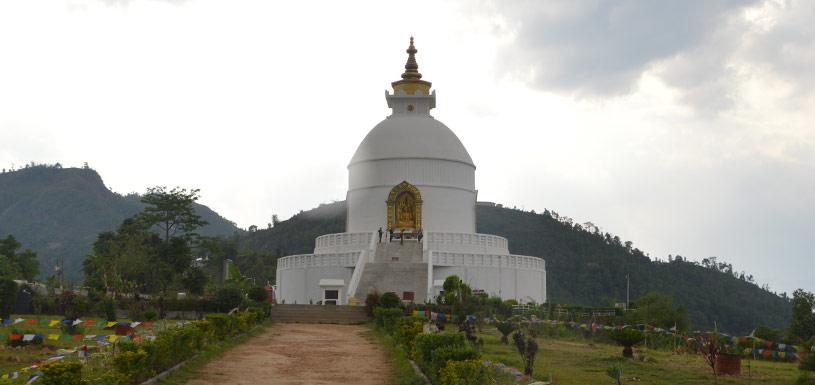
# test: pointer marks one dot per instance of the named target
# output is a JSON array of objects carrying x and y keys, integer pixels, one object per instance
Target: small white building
[{"x": 412, "y": 176}]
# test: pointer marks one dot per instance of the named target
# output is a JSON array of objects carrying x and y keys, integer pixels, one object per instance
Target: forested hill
[
  {"x": 584, "y": 267},
  {"x": 58, "y": 212}
]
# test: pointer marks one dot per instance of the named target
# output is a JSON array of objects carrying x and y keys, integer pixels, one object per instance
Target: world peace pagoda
[{"x": 411, "y": 222}]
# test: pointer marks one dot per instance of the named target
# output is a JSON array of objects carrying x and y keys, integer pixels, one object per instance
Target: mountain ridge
[{"x": 59, "y": 212}]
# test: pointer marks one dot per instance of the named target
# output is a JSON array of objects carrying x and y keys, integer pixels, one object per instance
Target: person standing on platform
[
  {"x": 419, "y": 236},
  {"x": 390, "y": 235},
  {"x": 402, "y": 237},
  {"x": 380, "y": 235}
]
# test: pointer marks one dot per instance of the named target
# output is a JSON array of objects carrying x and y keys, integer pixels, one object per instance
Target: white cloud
[{"x": 690, "y": 133}]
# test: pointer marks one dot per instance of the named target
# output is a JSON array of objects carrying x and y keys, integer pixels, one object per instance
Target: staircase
[
  {"x": 319, "y": 314},
  {"x": 396, "y": 268}
]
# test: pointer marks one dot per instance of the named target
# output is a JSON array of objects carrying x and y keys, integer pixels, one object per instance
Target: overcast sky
[{"x": 687, "y": 127}]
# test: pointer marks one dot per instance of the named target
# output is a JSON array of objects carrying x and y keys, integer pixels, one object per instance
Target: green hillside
[
  {"x": 583, "y": 267},
  {"x": 58, "y": 212}
]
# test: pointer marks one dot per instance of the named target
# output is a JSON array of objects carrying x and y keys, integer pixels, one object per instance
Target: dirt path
[{"x": 301, "y": 354}]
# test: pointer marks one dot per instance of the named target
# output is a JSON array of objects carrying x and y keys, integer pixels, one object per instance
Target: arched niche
[{"x": 404, "y": 207}]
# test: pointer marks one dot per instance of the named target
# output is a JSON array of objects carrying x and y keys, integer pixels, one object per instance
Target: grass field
[{"x": 573, "y": 361}]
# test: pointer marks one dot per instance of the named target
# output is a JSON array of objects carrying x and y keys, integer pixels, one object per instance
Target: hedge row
[
  {"x": 137, "y": 362},
  {"x": 445, "y": 358}
]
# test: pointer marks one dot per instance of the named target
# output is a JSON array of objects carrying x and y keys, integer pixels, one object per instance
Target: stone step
[
  {"x": 400, "y": 277},
  {"x": 410, "y": 252},
  {"x": 318, "y": 314}
]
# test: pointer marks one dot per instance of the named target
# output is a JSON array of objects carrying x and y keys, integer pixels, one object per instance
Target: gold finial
[
  {"x": 411, "y": 79},
  {"x": 411, "y": 67}
]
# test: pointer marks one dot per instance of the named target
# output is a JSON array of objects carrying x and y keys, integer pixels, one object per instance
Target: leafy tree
[
  {"x": 171, "y": 211},
  {"x": 767, "y": 333},
  {"x": 14, "y": 264},
  {"x": 657, "y": 309},
  {"x": 195, "y": 280},
  {"x": 802, "y": 324},
  {"x": 8, "y": 294}
]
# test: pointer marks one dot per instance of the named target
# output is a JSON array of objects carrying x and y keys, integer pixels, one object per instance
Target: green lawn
[{"x": 572, "y": 361}]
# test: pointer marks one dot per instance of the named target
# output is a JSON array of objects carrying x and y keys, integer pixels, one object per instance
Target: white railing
[
  {"x": 441, "y": 258},
  {"x": 342, "y": 242},
  {"x": 359, "y": 268},
  {"x": 312, "y": 260},
  {"x": 467, "y": 243}
]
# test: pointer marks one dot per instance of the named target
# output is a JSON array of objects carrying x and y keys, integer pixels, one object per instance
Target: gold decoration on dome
[
  {"x": 411, "y": 79},
  {"x": 404, "y": 207}
]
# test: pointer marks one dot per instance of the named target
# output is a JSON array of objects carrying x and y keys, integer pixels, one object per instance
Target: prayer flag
[
  {"x": 53, "y": 337},
  {"x": 100, "y": 324},
  {"x": 18, "y": 320},
  {"x": 30, "y": 321},
  {"x": 76, "y": 322},
  {"x": 64, "y": 337},
  {"x": 109, "y": 324},
  {"x": 89, "y": 322},
  {"x": 53, "y": 323},
  {"x": 42, "y": 322},
  {"x": 28, "y": 337},
  {"x": 77, "y": 337},
  {"x": 148, "y": 325}
]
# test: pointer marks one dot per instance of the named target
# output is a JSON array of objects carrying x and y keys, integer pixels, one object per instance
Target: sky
[{"x": 687, "y": 127}]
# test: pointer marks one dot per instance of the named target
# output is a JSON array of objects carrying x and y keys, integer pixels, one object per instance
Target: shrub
[
  {"x": 72, "y": 329},
  {"x": 505, "y": 328},
  {"x": 427, "y": 343},
  {"x": 150, "y": 315},
  {"x": 627, "y": 337},
  {"x": 222, "y": 325},
  {"x": 527, "y": 349},
  {"x": 440, "y": 357},
  {"x": 407, "y": 328},
  {"x": 133, "y": 365},
  {"x": 386, "y": 318},
  {"x": 371, "y": 301},
  {"x": 228, "y": 298},
  {"x": 258, "y": 294},
  {"x": 808, "y": 363},
  {"x": 469, "y": 372},
  {"x": 61, "y": 373},
  {"x": 390, "y": 300}
]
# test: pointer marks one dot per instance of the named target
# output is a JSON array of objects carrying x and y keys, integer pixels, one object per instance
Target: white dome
[{"x": 411, "y": 136}]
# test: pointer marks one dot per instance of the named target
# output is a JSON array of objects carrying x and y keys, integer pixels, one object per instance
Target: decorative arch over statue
[{"x": 404, "y": 207}]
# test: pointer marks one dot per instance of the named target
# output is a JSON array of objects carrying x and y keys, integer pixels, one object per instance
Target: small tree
[
  {"x": 707, "y": 346},
  {"x": 505, "y": 328},
  {"x": 527, "y": 348},
  {"x": 627, "y": 338}
]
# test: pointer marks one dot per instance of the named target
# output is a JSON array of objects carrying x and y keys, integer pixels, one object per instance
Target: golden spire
[
  {"x": 411, "y": 67},
  {"x": 411, "y": 79}
]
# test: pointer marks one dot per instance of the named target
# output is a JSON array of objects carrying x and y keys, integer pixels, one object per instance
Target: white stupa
[{"x": 410, "y": 175}]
